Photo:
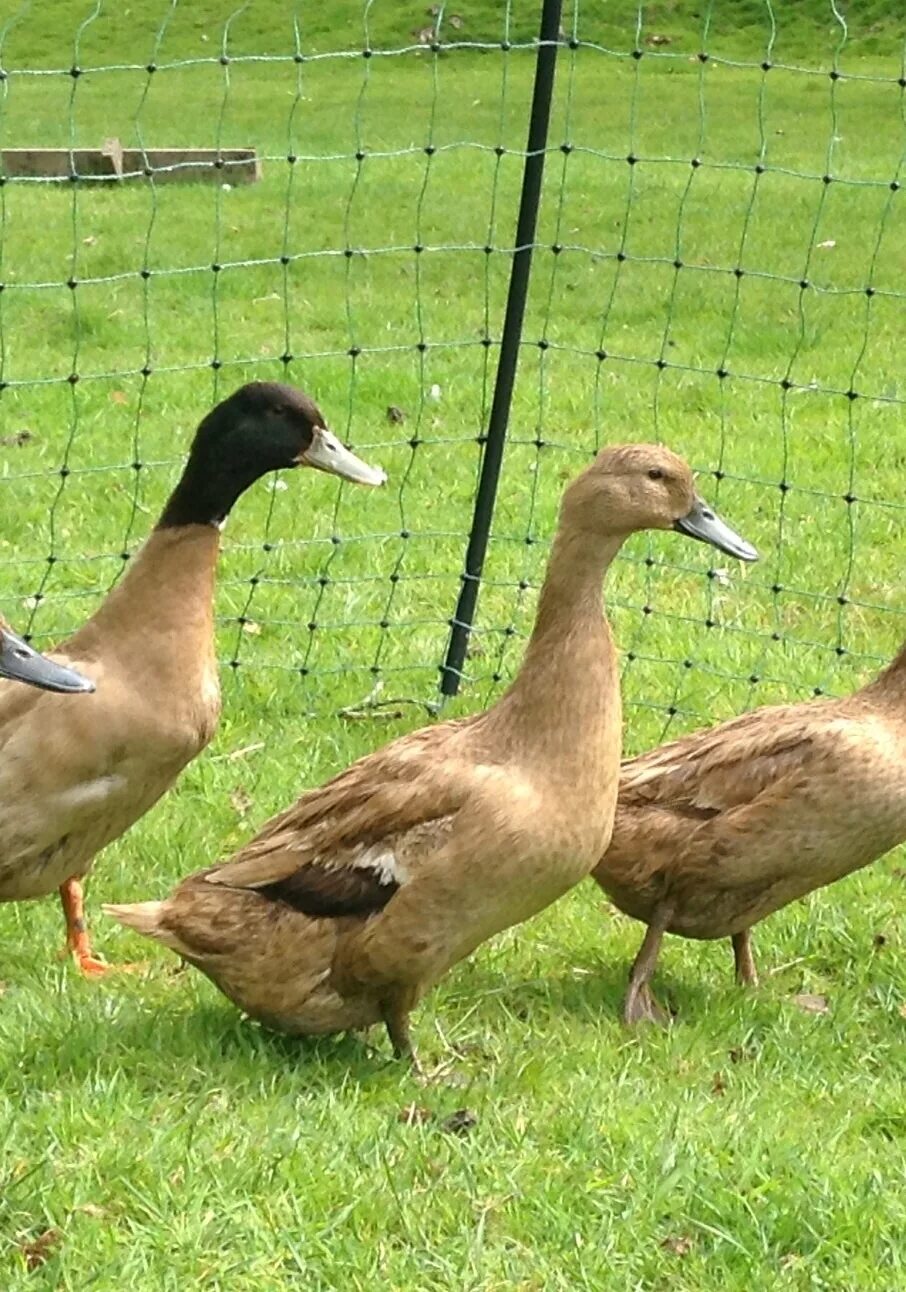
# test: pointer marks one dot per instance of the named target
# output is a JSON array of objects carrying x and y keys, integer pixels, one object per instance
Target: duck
[
  {"x": 77, "y": 771},
  {"x": 351, "y": 903},
  {"x": 20, "y": 662},
  {"x": 720, "y": 828}
]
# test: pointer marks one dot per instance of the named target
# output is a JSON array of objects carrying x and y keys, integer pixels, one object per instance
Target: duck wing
[
  {"x": 346, "y": 847},
  {"x": 730, "y": 766}
]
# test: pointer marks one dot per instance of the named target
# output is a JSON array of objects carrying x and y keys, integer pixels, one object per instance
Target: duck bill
[
  {"x": 20, "y": 663},
  {"x": 326, "y": 453},
  {"x": 703, "y": 523}
]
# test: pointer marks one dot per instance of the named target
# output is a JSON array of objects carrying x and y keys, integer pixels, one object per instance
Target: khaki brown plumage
[
  {"x": 76, "y": 772},
  {"x": 349, "y": 905},
  {"x": 720, "y": 828}
]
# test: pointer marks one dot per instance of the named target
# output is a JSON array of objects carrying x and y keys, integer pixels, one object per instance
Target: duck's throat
[
  {"x": 208, "y": 491},
  {"x": 565, "y": 701},
  {"x": 892, "y": 681},
  {"x": 161, "y": 612}
]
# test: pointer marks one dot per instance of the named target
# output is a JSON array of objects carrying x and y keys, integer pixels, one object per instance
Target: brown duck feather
[{"x": 380, "y": 796}]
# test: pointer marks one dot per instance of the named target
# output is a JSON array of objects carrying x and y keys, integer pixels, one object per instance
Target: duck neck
[
  {"x": 163, "y": 607},
  {"x": 891, "y": 682},
  {"x": 208, "y": 490},
  {"x": 161, "y": 612},
  {"x": 565, "y": 702}
]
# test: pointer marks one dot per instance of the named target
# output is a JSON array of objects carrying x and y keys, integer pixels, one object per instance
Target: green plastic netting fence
[{"x": 719, "y": 264}]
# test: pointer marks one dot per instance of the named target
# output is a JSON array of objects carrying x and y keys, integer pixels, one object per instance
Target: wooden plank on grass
[{"x": 113, "y": 163}]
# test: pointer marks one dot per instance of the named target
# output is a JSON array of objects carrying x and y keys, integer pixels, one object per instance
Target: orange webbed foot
[
  {"x": 78, "y": 942},
  {"x": 92, "y": 967}
]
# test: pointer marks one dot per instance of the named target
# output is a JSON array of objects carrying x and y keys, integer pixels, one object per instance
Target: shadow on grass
[
  {"x": 156, "y": 1042},
  {"x": 188, "y": 1045},
  {"x": 594, "y": 991}
]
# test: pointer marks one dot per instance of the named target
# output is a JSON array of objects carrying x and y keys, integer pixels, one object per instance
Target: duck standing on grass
[
  {"x": 720, "y": 828},
  {"x": 351, "y": 903},
  {"x": 75, "y": 773}
]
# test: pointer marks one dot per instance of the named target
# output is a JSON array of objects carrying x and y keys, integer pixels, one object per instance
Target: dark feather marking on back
[
  {"x": 323, "y": 893},
  {"x": 691, "y": 811}
]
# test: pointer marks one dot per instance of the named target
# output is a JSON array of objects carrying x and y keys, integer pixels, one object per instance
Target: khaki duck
[
  {"x": 76, "y": 772},
  {"x": 350, "y": 904},
  {"x": 19, "y": 662},
  {"x": 720, "y": 828}
]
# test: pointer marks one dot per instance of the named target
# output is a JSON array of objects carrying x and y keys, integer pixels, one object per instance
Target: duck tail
[
  {"x": 146, "y": 918},
  {"x": 143, "y": 916}
]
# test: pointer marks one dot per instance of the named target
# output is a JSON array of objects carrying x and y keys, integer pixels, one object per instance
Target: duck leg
[
  {"x": 77, "y": 938},
  {"x": 639, "y": 1005},
  {"x": 395, "y": 1009},
  {"x": 746, "y": 973}
]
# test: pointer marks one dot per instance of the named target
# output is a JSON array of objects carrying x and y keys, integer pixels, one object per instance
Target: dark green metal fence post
[{"x": 511, "y": 337}]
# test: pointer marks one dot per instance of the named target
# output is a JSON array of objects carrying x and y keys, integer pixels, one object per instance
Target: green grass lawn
[{"x": 151, "y": 1138}]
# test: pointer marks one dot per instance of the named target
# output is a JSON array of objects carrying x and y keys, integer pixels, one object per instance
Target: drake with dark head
[
  {"x": 76, "y": 772},
  {"x": 349, "y": 905}
]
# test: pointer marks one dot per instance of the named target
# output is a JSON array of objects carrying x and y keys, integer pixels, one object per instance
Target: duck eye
[{"x": 655, "y": 474}]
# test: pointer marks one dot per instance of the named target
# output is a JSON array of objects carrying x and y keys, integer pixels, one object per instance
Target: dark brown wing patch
[{"x": 325, "y": 893}]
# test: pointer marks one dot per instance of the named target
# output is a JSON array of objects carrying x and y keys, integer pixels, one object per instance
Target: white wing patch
[
  {"x": 92, "y": 793},
  {"x": 392, "y": 860},
  {"x": 382, "y": 859}
]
